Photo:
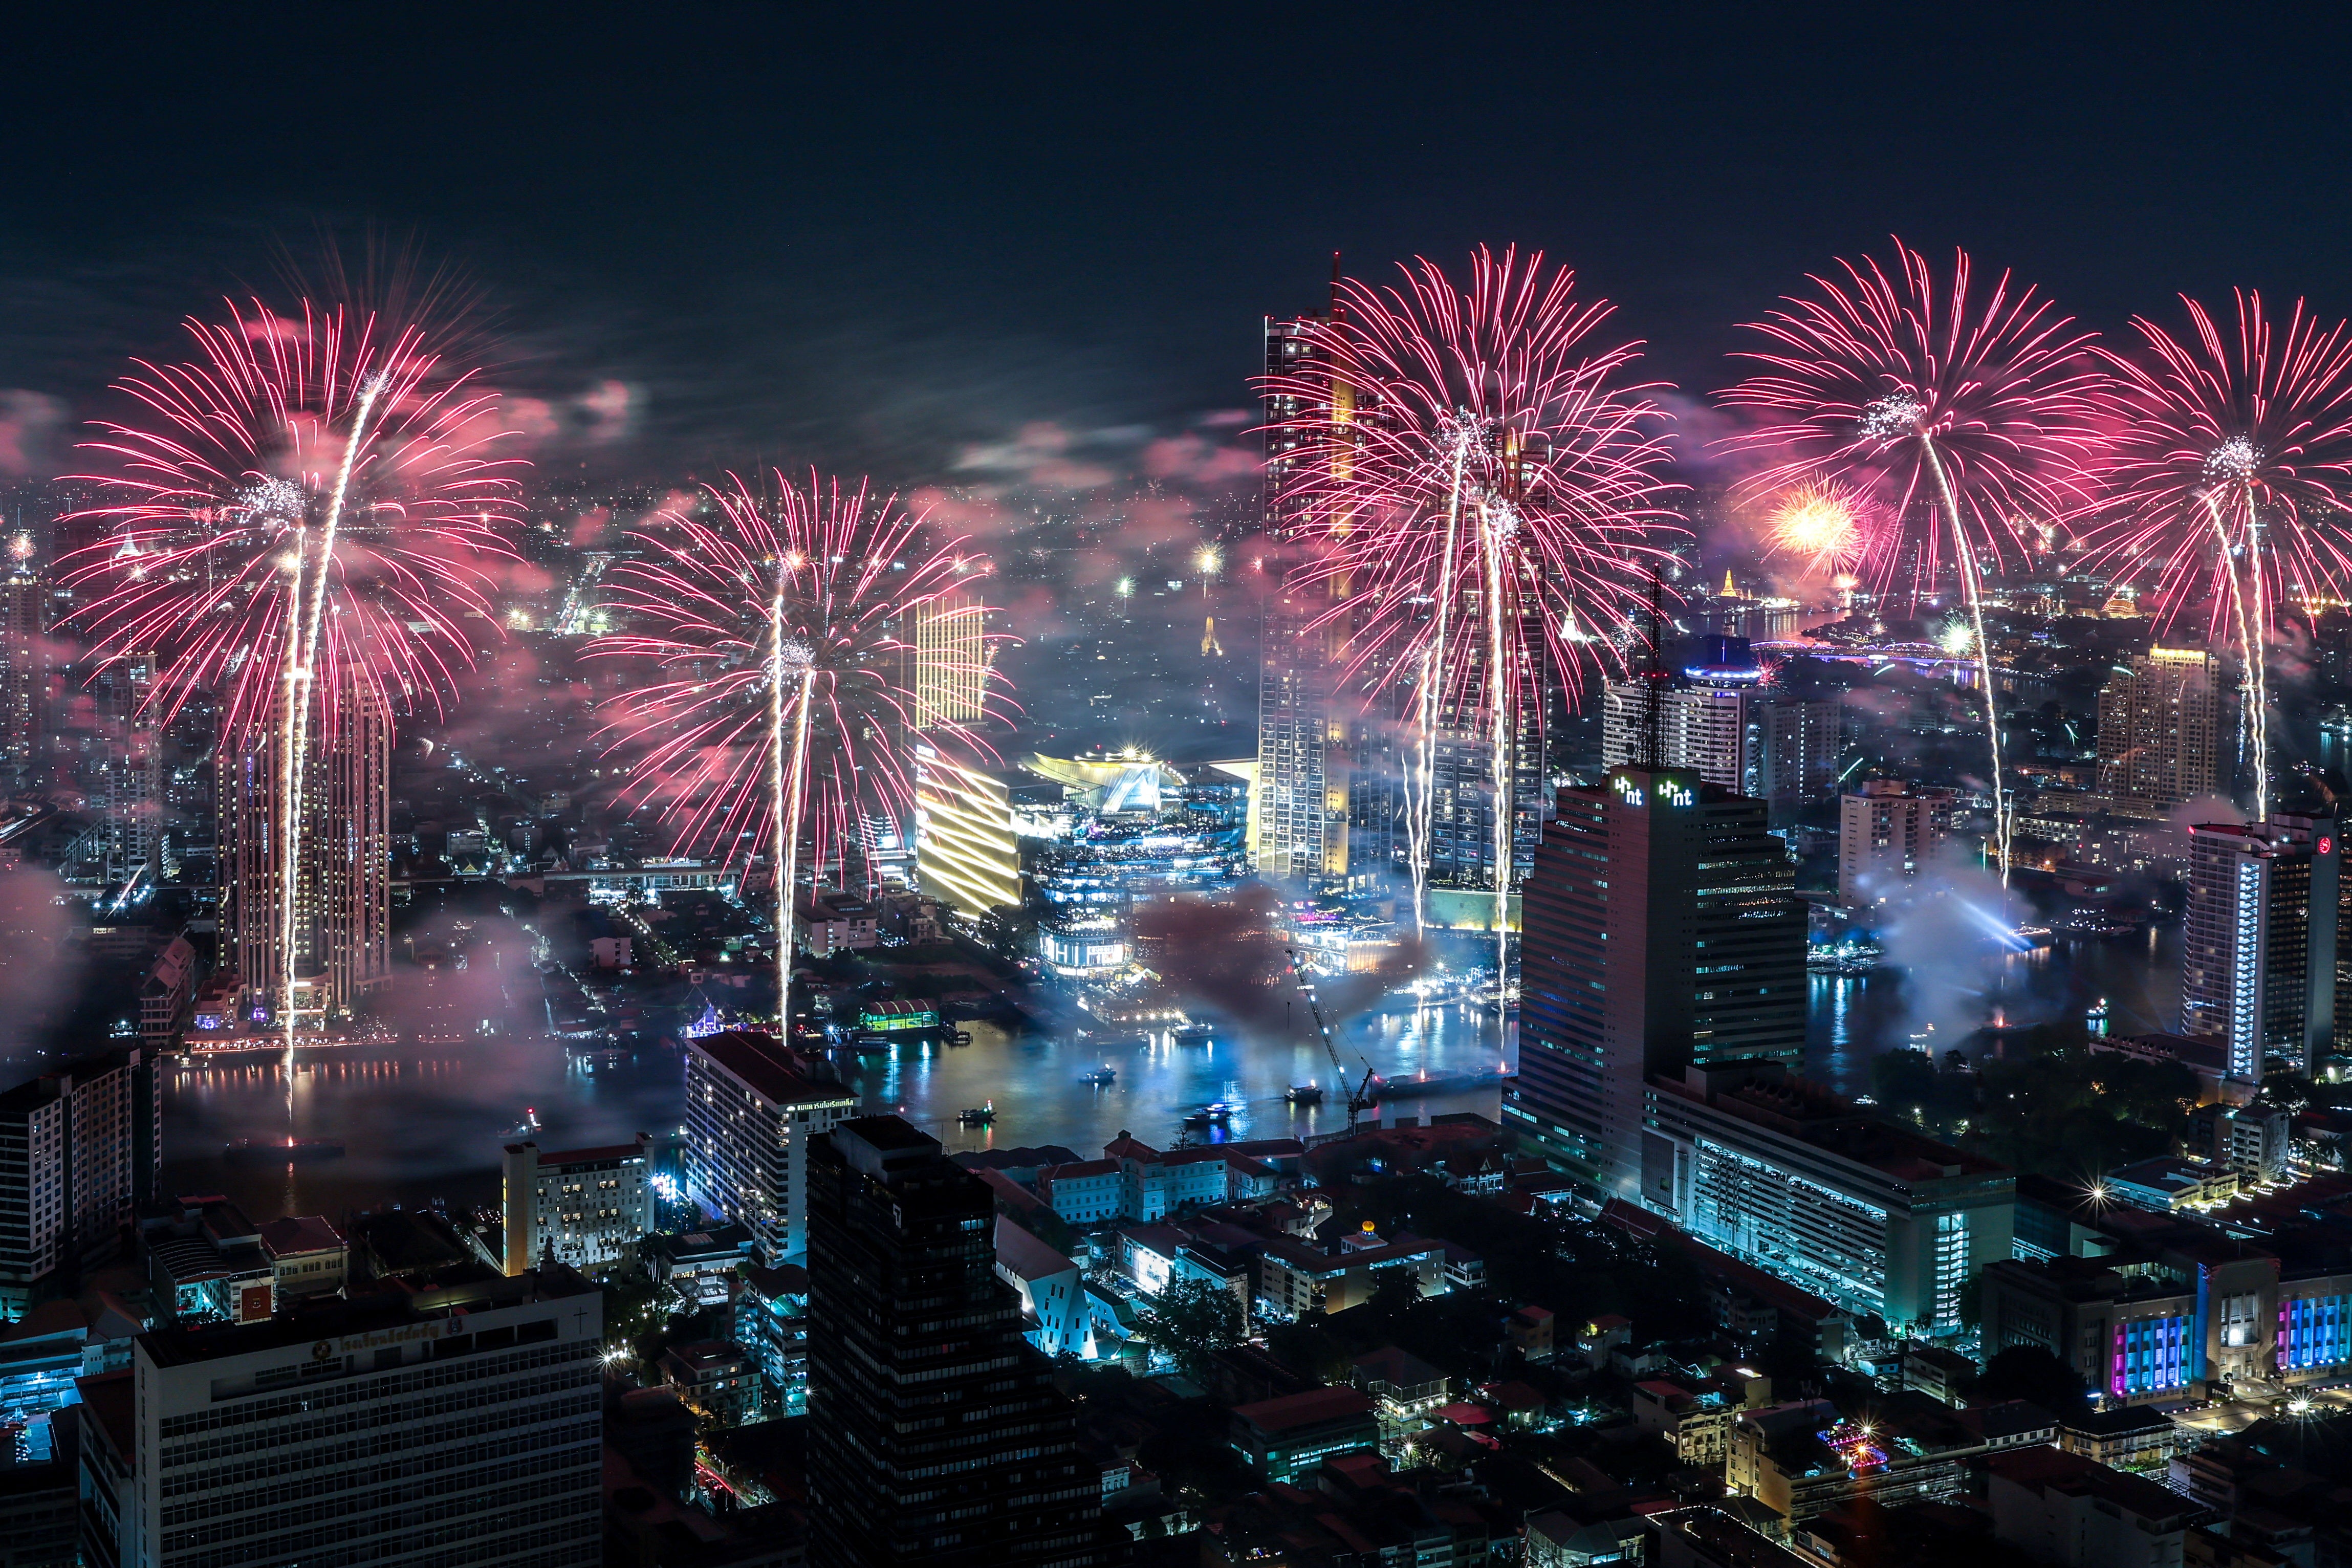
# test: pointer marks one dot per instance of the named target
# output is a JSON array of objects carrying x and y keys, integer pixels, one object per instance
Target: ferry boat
[
  {"x": 1215, "y": 1115},
  {"x": 1304, "y": 1094},
  {"x": 1192, "y": 1035},
  {"x": 977, "y": 1115},
  {"x": 1103, "y": 1076}
]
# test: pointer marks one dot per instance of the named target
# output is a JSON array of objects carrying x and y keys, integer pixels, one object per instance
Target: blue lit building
[{"x": 771, "y": 1325}]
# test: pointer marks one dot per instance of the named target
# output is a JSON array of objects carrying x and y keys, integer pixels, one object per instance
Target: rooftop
[
  {"x": 183, "y": 1345},
  {"x": 770, "y": 1069},
  {"x": 1292, "y": 1411},
  {"x": 300, "y": 1233}
]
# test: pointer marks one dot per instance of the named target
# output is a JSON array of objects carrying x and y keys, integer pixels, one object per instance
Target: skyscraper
[
  {"x": 1716, "y": 717},
  {"x": 1304, "y": 772},
  {"x": 966, "y": 850},
  {"x": 342, "y": 891},
  {"x": 1662, "y": 930},
  {"x": 936, "y": 1434},
  {"x": 23, "y": 662},
  {"x": 2259, "y": 941},
  {"x": 130, "y": 764},
  {"x": 2162, "y": 738}
]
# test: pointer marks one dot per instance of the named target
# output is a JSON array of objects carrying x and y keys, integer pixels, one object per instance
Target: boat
[
  {"x": 1103, "y": 1075},
  {"x": 977, "y": 1115},
  {"x": 282, "y": 1152},
  {"x": 1304, "y": 1094},
  {"x": 1436, "y": 1083},
  {"x": 955, "y": 1037},
  {"x": 1192, "y": 1035},
  {"x": 1215, "y": 1115}
]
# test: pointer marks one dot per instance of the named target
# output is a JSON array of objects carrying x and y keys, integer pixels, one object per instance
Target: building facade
[
  {"x": 588, "y": 1208},
  {"x": 1661, "y": 929},
  {"x": 966, "y": 852},
  {"x": 80, "y": 1148},
  {"x": 460, "y": 1424},
  {"x": 949, "y": 662},
  {"x": 752, "y": 1108},
  {"x": 936, "y": 1434},
  {"x": 1785, "y": 1175}
]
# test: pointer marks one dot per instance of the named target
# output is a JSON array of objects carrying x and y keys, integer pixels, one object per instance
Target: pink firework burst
[
  {"x": 318, "y": 469},
  {"x": 1958, "y": 418},
  {"x": 1474, "y": 490},
  {"x": 1446, "y": 429},
  {"x": 798, "y": 643},
  {"x": 2227, "y": 476}
]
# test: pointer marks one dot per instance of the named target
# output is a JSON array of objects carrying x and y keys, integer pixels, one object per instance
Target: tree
[
  {"x": 1191, "y": 1319},
  {"x": 2030, "y": 1373}
]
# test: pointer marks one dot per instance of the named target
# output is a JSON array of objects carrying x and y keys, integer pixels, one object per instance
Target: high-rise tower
[
  {"x": 1662, "y": 930},
  {"x": 1304, "y": 776},
  {"x": 936, "y": 1434},
  {"x": 948, "y": 659},
  {"x": 336, "y": 937},
  {"x": 2162, "y": 737},
  {"x": 24, "y": 661},
  {"x": 2259, "y": 941}
]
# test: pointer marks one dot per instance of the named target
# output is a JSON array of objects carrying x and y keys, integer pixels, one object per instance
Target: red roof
[{"x": 1273, "y": 1417}]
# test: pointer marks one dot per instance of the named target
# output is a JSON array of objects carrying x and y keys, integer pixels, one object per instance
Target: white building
[
  {"x": 458, "y": 1424},
  {"x": 1053, "y": 1294},
  {"x": 750, "y": 1109},
  {"x": 589, "y": 1207}
]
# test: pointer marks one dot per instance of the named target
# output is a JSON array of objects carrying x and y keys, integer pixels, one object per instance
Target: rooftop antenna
[{"x": 1654, "y": 680}]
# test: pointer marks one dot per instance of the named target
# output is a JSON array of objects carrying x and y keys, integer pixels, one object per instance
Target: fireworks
[
  {"x": 312, "y": 485},
  {"x": 779, "y": 636},
  {"x": 1822, "y": 523},
  {"x": 309, "y": 517},
  {"x": 1950, "y": 415},
  {"x": 2228, "y": 476},
  {"x": 1470, "y": 481}
]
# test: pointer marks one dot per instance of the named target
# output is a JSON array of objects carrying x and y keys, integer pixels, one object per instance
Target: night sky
[{"x": 714, "y": 234}]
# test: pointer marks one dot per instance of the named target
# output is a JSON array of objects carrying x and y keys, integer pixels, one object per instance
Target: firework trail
[
  {"x": 310, "y": 514},
  {"x": 2227, "y": 477},
  {"x": 1957, "y": 417},
  {"x": 1474, "y": 484},
  {"x": 778, "y": 629}
]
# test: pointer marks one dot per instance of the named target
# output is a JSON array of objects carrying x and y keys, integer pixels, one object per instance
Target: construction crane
[{"x": 1360, "y": 1099}]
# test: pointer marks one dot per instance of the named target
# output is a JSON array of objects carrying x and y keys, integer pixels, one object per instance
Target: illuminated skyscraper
[
  {"x": 130, "y": 764},
  {"x": 965, "y": 848},
  {"x": 2257, "y": 940},
  {"x": 1304, "y": 776},
  {"x": 949, "y": 661},
  {"x": 342, "y": 895}
]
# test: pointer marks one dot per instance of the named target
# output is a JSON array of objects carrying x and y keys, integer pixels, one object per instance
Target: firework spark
[
  {"x": 778, "y": 631},
  {"x": 1822, "y": 524},
  {"x": 1471, "y": 480},
  {"x": 2228, "y": 476},
  {"x": 1953, "y": 415}
]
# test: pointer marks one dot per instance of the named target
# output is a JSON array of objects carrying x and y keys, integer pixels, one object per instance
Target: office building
[
  {"x": 1465, "y": 792},
  {"x": 936, "y": 1436},
  {"x": 341, "y": 890},
  {"x": 2259, "y": 941},
  {"x": 966, "y": 851},
  {"x": 1887, "y": 832},
  {"x": 751, "y": 1107},
  {"x": 80, "y": 1148},
  {"x": 587, "y": 1209},
  {"x": 2163, "y": 731},
  {"x": 1785, "y": 1175},
  {"x": 24, "y": 665},
  {"x": 949, "y": 660},
  {"x": 1661, "y": 929},
  {"x": 458, "y": 1424}
]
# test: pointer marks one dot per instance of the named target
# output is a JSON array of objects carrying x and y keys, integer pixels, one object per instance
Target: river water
[{"x": 425, "y": 1124}]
